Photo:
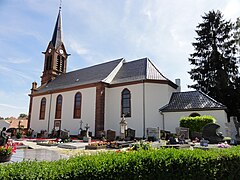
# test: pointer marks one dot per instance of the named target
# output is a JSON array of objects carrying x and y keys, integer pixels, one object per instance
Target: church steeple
[
  {"x": 57, "y": 37},
  {"x": 55, "y": 55}
]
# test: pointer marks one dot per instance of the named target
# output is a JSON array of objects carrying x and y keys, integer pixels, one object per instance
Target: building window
[
  {"x": 42, "y": 108},
  {"x": 58, "y": 107},
  {"x": 77, "y": 105},
  {"x": 126, "y": 103},
  {"x": 49, "y": 63},
  {"x": 60, "y": 63},
  {"x": 194, "y": 114}
]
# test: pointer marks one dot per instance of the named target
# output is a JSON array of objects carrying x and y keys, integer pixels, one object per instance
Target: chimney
[
  {"x": 178, "y": 82},
  {"x": 34, "y": 87}
]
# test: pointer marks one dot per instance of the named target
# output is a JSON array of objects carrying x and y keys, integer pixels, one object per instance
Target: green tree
[
  {"x": 215, "y": 62},
  {"x": 22, "y": 116},
  {"x": 237, "y": 31},
  {"x": 237, "y": 36}
]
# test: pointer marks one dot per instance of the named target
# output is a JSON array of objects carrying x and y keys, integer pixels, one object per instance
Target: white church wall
[
  {"x": 36, "y": 124},
  {"x": 67, "y": 120},
  {"x": 87, "y": 110},
  {"x": 156, "y": 96},
  {"x": 113, "y": 108},
  {"x": 171, "y": 119}
]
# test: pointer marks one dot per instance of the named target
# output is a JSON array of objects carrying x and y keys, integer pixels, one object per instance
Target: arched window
[
  {"x": 49, "y": 62},
  {"x": 77, "y": 105},
  {"x": 126, "y": 103},
  {"x": 58, "y": 107},
  {"x": 194, "y": 114},
  {"x": 42, "y": 108}
]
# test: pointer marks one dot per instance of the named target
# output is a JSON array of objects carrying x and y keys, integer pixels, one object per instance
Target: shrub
[
  {"x": 196, "y": 123},
  {"x": 142, "y": 164},
  {"x": 19, "y": 135}
]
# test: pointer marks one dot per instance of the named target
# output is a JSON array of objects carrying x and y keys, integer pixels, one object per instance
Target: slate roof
[
  {"x": 191, "y": 100},
  {"x": 57, "y": 37},
  {"x": 141, "y": 69},
  {"x": 83, "y": 76}
]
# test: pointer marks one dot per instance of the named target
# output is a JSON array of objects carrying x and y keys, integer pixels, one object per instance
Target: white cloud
[
  {"x": 75, "y": 46},
  {"x": 13, "y": 73},
  {"x": 11, "y": 106},
  {"x": 232, "y": 9},
  {"x": 15, "y": 60}
]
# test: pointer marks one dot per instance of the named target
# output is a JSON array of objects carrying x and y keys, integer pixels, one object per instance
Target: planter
[{"x": 5, "y": 158}]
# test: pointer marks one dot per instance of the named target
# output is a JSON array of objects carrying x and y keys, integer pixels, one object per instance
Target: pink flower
[{"x": 224, "y": 145}]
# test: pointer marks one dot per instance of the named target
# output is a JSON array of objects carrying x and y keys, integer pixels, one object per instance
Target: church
[{"x": 100, "y": 95}]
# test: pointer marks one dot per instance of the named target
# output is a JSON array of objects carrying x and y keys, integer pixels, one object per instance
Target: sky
[{"x": 97, "y": 31}]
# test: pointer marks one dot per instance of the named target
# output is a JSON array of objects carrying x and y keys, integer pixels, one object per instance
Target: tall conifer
[{"x": 214, "y": 59}]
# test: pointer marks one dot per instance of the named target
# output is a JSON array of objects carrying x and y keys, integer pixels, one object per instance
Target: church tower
[{"x": 55, "y": 55}]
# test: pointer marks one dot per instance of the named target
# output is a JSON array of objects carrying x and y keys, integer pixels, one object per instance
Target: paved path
[{"x": 47, "y": 153}]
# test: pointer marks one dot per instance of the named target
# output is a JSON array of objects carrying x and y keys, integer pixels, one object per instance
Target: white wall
[
  {"x": 67, "y": 121},
  {"x": 113, "y": 108},
  {"x": 172, "y": 118},
  {"x": 156, "y": 96},
  {"x": 36, "y": 124}
]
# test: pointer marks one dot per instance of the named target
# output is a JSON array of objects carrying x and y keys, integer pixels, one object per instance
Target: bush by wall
[
  {"x": 196, "y": 123},
  {"x": 142, "y": 164}
]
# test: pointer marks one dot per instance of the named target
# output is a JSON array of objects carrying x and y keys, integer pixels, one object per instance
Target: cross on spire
[
  {"x": 60, "y": 5},
  {"x": 57, "y": 37}
]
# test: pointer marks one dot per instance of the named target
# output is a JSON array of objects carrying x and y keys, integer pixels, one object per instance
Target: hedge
[
  {"x": 196, "y": 123},
  {"x": 142, "y": 164}
]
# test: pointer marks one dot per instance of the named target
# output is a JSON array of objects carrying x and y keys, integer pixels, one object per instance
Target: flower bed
[
  {"x": 96, "y": 145},
  {"x": 89, "y": 147},
  {"x": 48, "y": 143},
  {"x": 224, "y": 145}
]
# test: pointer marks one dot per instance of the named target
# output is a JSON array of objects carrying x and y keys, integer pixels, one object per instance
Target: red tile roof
[{"x": 15, "y": 122}]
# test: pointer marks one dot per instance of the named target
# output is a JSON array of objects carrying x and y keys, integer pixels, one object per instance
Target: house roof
[
  {"x": 191, "y": 100},
  {"x": 140, "y": 69},
  {"x": 83, "y": 76},
  {"x": 112, "y": 72},
  {"x": 15, "y": 122}
]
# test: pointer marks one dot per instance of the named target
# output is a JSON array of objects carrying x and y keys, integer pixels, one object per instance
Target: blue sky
[{"x": 94, "y": 32}]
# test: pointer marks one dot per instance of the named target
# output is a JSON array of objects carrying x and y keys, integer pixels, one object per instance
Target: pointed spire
[{"x": 57, "y": 37}]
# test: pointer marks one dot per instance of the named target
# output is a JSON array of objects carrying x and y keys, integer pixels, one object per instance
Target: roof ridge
[
  {"x": 184, "y": 92},
  {"x": 211, "y": 98},
  {"x": 96, "y": 65}
]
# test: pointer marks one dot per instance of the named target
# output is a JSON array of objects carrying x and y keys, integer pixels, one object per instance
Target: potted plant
[
  {"x": 19, "y": 135},
  {"x": 6, "y": 152}
]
